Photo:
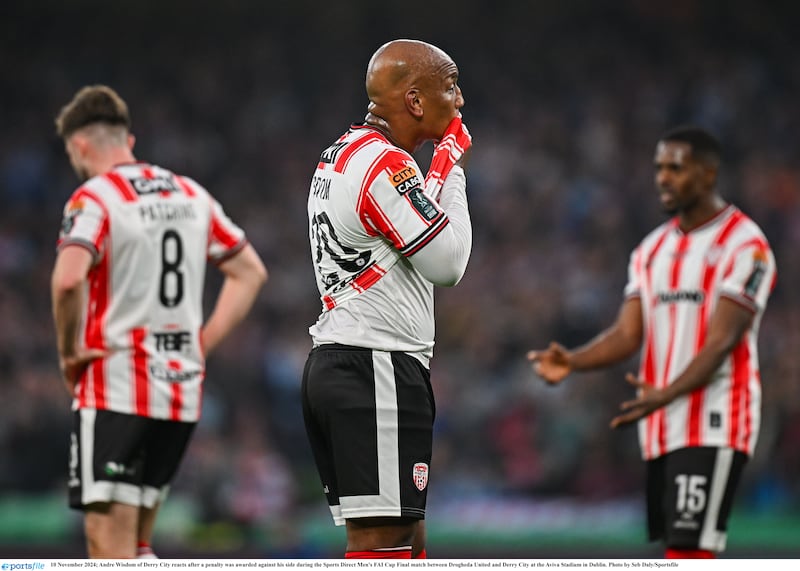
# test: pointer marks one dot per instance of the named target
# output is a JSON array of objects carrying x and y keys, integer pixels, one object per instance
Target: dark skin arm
[
  {"x": 613, "y": 345},
  {"x": 728, "y": 323}
]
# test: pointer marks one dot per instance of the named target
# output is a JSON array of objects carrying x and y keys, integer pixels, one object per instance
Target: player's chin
[{"x": 668, "y": 205}]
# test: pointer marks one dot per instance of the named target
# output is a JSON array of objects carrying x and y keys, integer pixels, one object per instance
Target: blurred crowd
[{"x": 565, "y": 102}]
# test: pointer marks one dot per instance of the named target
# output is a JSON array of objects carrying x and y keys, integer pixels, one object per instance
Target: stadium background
[{"x": 565, "y": 101}]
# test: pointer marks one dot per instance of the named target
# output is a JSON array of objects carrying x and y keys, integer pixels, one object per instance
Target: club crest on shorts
[{"x": 420, "y": 475}]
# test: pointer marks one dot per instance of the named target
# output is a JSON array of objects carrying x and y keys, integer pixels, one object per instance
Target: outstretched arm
[
  {"x": 728, "y": 323},
  {"x": 613, "y": 345},
  {"x": 244, "y": 276}
]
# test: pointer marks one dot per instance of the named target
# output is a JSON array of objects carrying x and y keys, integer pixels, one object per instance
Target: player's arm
[
  {"x": 728, "y": 324},
  {"x": 613, "y": 345},
  {"x": 443, "y": 260},
  {"x": 244, "y": 275},
  {"x": 67, "y": 286}
]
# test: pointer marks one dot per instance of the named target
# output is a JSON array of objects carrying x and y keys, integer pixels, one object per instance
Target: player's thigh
[
  {"x": 371, "y": 413},
  {"x": 123, "y": 458}
]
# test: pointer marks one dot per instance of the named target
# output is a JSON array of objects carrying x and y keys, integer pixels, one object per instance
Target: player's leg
[
  {"x": 418, "y": 550},
  {"x": 700, "y": 484},
  {"x": 111, "y": 530},
  {"x": 105, "y": 474},
  {"x": 405, "y": 411},
  {"x": 164, "y": 448},
  {"x": 366, "y": 535},
  {"x": 147, "y": 522},
  {"x": 369, "y": 411}
]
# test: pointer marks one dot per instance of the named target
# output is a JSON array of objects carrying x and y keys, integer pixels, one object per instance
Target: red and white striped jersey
[
  {"x": 680, "y": 278},
  {"x": 151, "y": 233},
  {"x": 368, "y": 212}
]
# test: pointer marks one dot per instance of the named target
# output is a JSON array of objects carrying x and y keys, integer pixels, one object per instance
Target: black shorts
[
  {"x": 369, "y": 418},
  {"x": 123, "y": 457},
  {"x": 689, "y": 496}
]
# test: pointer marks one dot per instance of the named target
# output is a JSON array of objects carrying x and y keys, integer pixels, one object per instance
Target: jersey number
[
  {"x": 348, "y": 259},
  {"x": 691, "y": 493},
  {"x": 170, "y": 290}
]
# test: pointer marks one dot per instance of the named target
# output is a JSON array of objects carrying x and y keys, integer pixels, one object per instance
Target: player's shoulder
[
  {"x": 364, "y": 148},
  {"x": 658, "y": 233},
  {"x": 748, "y": 225}
]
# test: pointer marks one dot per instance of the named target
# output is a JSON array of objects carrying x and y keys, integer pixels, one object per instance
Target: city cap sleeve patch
[{"x": 405, "y": 178}]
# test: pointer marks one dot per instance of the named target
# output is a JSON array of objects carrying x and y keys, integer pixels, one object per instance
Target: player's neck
[
  {"x": 109, "y": 158},
  {"x": 701, "y": 213},
  {"x": 382, "y": 125}
]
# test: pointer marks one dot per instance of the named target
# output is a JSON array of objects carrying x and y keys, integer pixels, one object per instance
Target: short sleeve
[
  {"x": 85, "y": 223},
  {"x": 225, "y": 238},
  {"x": 750, "y": 275},
  {"x": 396, "y": 205},
  {"x": 634, "y": 285}
]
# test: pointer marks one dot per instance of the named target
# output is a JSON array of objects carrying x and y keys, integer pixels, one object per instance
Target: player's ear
[
  {"x": 131, "y": 141},
  {"x": 413, "y": 102},
  {"x": 79, "y": 144},
  {"x": 710, "y": 175}
]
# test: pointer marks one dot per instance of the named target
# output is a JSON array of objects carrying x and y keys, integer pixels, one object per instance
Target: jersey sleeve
[
  {"x": 750, "y": 275},
  {"x": 395, "y": 205},
  {"x": 85, "y": 223},
  {"x": 225, "y": 238},
  {"x": 634, "y": 286}
]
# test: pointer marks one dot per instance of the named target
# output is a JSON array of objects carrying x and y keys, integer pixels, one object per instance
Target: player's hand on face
[
  {"x": 73, "y": 366},
  {"x": 552, "y": 364},
  {"x": 648, "y": 399}
]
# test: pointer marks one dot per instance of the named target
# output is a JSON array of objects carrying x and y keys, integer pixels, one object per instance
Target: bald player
[{"x": 382, "y": 235}]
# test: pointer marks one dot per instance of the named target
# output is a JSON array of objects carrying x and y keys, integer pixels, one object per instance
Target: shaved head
[
  {"x": 413, "y": 92},
  {"x": 399, "y": 65}
]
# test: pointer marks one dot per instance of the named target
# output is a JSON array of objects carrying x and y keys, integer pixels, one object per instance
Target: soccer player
[
  {"x": 697, "y": 288},
  {"x": 127, "y": 291},
  {"x": 382, "y": 235}
]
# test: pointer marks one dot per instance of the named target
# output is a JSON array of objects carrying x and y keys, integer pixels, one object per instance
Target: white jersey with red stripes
[
  {"x": 368, "y": 211},
  {"x": 151, "y": 234},
  {"x": 679, "y": 278}
]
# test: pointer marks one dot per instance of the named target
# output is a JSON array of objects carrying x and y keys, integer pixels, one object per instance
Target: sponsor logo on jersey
[
  {"x": 420, "y": 474},
  {"x": 405, "y": 179},
  {"x": 156, "y": 184},
  {"x": 423, "y": 205},
  {"x": 677, "y": 296},
  {"x": 172, "y": 340},
  {"x": 172, "y": 373}
]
